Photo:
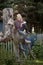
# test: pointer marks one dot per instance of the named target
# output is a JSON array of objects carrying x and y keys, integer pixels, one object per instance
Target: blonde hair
[{"x": 19, "y": 17}]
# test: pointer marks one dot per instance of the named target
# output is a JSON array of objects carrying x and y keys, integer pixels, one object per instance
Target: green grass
[
  {"x": 24, "y": 62},
  {"x": 33, "y": 62},
  {"x": 7, "y": 58}
]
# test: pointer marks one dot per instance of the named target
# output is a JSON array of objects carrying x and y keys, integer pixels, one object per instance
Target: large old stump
[{"x": 6, "y": 13}]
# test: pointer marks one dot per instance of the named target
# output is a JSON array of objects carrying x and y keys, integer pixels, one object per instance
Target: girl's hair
[{"x": 19, "y": 17}]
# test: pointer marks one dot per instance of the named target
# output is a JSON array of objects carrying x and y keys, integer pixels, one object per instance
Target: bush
[{"x": 38, "y": 49}]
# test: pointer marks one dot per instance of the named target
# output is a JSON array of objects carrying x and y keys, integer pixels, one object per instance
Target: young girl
[{"x": 21, "y": 26}]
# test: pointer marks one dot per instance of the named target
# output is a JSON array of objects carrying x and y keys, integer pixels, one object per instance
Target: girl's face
[{"x": 19, "y": 17}]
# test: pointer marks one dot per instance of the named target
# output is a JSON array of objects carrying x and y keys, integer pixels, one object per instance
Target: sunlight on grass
[
  {"x": 33, "y": 62},
  {"x": 38, "y": 61}
]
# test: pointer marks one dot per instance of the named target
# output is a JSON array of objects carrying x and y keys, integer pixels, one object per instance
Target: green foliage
[
  {"x": 7, "y": 58},
  {"x": 31, "y": 11},
  {"x": 38, "y": 49}
]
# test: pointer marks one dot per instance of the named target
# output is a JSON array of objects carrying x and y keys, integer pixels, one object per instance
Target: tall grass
[{"x": 7, "y": 58}]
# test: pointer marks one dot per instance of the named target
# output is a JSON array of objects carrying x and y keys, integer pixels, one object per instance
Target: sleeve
[{"x": 24, "y": 26}]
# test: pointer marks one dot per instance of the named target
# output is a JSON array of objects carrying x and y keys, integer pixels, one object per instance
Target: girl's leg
[
  {"x": 30, "y": 50},
  {"x": 23, "y": 50}
]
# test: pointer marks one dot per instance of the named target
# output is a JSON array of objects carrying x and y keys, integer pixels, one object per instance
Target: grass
[
  {"x": 7, "y": 58},
  {"x": 24, "y": 62},
  {"x": 33, "y": 62}
]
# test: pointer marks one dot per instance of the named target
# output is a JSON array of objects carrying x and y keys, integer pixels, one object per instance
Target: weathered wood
[{"x": 6, "y": 13}]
